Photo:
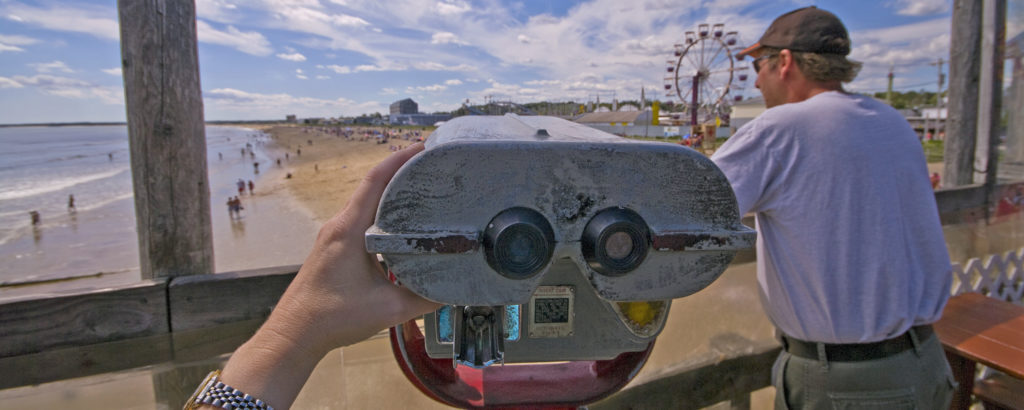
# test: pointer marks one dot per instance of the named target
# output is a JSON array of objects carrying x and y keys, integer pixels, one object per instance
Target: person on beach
[
  {"x": 852, "y": 263},
  {"x": 241, "y": 186},
  {"x": 34, "y": 215},
  {"x": 231, "y": 207},
  {"x": 251, "y": 187},
  {"x": 340, "y": 296},
  {"x": 71, "y": 203}
]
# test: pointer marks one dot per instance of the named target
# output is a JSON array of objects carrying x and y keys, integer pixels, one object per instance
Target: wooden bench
[
  {"x": 978, "y": 329},
  {"x": 1000, "y": 392}
]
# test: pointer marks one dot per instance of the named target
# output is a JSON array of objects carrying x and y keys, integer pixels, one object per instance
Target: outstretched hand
[{"x": 340, "y": 296}]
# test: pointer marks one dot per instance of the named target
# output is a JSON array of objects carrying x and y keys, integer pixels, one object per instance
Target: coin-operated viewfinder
[{"x": 547, "y": 241}]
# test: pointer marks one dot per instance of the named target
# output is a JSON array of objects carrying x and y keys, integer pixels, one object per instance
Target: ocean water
[{"x": 41, "y": 166}]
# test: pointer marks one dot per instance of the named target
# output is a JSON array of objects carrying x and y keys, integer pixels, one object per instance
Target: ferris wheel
[{"x": 704, "y": 77}]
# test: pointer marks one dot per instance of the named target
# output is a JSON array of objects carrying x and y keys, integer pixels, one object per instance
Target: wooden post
[
  {"x": 1015, "y": 107},
  {"x": 964, "y": 69},
  {"x": 166, "y": 136},
  {"x": 991, "y": 91}
]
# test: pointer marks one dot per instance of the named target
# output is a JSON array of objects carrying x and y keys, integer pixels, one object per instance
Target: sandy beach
[{"x": 325, "y": 166}]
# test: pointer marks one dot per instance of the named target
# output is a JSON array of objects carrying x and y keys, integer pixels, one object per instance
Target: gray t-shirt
[{"x": 850, "y": 247}]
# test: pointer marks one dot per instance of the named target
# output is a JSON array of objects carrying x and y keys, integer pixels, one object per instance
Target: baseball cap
[{"x": 809, "y": 29}]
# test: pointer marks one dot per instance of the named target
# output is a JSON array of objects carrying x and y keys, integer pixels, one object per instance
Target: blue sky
[{"x": 262, "y": 59}]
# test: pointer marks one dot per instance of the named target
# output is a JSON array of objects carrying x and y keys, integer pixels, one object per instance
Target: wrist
[{"x": 274, "y": 364}]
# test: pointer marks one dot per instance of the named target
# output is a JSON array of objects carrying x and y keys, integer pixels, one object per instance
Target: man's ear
[{"x": 786, "y": 63}]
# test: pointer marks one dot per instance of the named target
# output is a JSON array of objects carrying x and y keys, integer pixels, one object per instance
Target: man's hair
[{"x": 822, "y": 67}]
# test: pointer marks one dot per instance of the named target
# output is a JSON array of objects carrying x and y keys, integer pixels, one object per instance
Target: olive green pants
[{"x": 918, "y": 378}]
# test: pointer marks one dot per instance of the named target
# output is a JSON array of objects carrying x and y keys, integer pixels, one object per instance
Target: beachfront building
[
  {"x": 406, "y": 112},
  {"x": 290, "y": 118},
  {"x": 406, "y": 106}
]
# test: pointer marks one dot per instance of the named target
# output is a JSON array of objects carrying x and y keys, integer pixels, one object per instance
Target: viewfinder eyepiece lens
[
  {"x": 518, "y": 243},
  {"x": 615, "y": 241}
]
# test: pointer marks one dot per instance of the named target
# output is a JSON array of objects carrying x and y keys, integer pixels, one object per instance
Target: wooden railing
[
  {"x": 83, "y": 333},
  {"x": 62, "y": 336}
]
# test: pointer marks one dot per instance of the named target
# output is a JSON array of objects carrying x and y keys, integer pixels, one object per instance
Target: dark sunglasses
[{"x": 757, "y": 61}]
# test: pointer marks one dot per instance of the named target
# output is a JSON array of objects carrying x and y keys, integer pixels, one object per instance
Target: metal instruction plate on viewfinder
[{"x": 552, "y": 312}]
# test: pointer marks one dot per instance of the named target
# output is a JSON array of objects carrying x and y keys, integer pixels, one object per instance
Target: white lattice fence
[{"x": 999, "y": 276}]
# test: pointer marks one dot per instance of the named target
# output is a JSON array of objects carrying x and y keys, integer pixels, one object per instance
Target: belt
[{"x": 855, "y": 352}]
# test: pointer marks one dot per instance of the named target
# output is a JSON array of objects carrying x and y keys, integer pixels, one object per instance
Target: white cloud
[
  {"x": 9, "y": 83},
  {"x": 453, "y": 81},
  {"x": 419, "y": 65},
  {"x": 323, "y": 77},
  {"x": 314, "y": 17},
  {"x": 389, "y": 91},
  {"x": 543, "y": 82},
  {"x": 251, "y": 42},
  {"x": 112, "y": 71},
  {"x": 292, "y": 57},
  {"x": 236, "y": 102},
  {"x": 52, "y": 66},
  {"x": 339, "y": 69},
  {"x": 97, "y": 21},
  {"x": 223, "y": 11},
  {"x": 432, "y": 66},
  {"x": 371, "y": 67},
  {"x": 445, "y": 38},
  {"x": 72, "y": 88},
  {"x": 906, "y": 44},
  {"x": 451, "y": 7},
  {"x": 430, "y": 88},
  {"x": 523, "y": 39},
  {"x": 920, "y": 7},
  {"x": 17, "y": 40},
  {"x": 11, "y": 42}
]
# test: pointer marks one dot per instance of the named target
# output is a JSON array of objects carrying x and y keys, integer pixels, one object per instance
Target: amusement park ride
[{"x": 704, "y": 77}]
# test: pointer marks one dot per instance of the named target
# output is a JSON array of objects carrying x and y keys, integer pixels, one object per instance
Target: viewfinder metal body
[{"x": 587, "y": 235}]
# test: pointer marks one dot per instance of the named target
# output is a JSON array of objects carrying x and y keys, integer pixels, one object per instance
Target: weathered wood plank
[
  {"x": 133, "y": 311},
  {"x": 209, "y": 300},
  {"x": 699, "y": 385},
  {"x": 961, "y": 198},
  {"x": 81, "y": 361},
  {"x": 964, "y": 72},
  {"x": 167, "y": 137}
]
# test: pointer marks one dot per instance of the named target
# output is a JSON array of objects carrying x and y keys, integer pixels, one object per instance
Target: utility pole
[
  {"x": 939, "y": 121},
  {"x": 888, "y": 92}
]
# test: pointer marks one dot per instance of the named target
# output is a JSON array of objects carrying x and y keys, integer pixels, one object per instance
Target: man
[{"x": 852, "y": 264}]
